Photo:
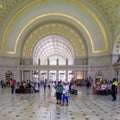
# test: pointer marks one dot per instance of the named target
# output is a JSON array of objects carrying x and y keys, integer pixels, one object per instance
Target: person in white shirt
[
  {"x": 104, "y": 89},
  {"x": 65, "y": 94}
]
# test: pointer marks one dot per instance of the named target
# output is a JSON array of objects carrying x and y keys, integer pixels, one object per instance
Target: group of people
[
  {"x": 64, "y": 88},
  {"x": 62, "y": 93},
  {"x": 28, "y": 86},
  {"x": 24, "y": 86},
  {"x": 107, "y": 87}
]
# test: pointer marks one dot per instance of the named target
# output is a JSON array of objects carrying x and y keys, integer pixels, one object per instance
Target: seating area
[
  {"x": 102, "y": 87},
  {"x": 23, "y": 90},
  {"x": 100, "y": 92},
  {"x": 27, "y": 87}
]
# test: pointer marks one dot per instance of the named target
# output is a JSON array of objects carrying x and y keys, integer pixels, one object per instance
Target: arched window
[{"x": 53, "y": 47}]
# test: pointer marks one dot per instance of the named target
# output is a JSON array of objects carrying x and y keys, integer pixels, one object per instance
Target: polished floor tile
[{"x": 41, "y": 106}]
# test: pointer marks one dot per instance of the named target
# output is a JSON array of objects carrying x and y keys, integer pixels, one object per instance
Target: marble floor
[{"x": 42, "y": 106}]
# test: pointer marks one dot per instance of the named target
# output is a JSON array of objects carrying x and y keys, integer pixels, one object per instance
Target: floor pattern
[{"x": 41, "y": 106}]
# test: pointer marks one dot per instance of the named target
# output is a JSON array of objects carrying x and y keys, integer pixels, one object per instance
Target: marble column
[
  {"x": 57, "y": 76},
  {"x": 18, "y": 75},
  {"x": 66, "y": 75},
  {"x": 48, "y": 75},
  {"x": 75, "y": 75},
  {"x": 39, "y": 74},
  {"x": 31, "y": 75},
  {"x": 57, "y": 61},
  {"x": 66, "y": 61},
  {"x": 39, "y": 62},
  {"x": 48, "y": 62},
  {"x": 22, "y": 74}
]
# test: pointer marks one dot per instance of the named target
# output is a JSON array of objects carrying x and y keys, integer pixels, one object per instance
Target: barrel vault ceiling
[{"x": 108, "y": 9}]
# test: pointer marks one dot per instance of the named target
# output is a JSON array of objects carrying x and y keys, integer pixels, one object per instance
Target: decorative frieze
[{"x": 54, "y": 29}]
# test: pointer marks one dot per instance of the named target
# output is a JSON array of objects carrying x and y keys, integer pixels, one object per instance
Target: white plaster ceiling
[{"x": 97, "y": 18}]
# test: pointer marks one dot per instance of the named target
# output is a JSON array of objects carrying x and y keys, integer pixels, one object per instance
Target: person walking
[
  {"x": 45, "y": 85},
  {"x": 12, "y": 84}
]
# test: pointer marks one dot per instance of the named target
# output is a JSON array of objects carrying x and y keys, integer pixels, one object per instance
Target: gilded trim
[
  {"x": 10, "y": 24},
  {"x": 97, "y": 20},
  {"x": 54, "y": 29},
  {"x": 53, "y": 14}
]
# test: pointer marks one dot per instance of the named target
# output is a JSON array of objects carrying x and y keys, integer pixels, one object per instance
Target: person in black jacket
[{"x": 114, "y": 91}]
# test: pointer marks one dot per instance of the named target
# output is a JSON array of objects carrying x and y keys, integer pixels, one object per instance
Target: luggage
[
  {"x": 75, "y": 92},
  {"x": 17, "y": 91},
  {"x": 36, "y": 91}
]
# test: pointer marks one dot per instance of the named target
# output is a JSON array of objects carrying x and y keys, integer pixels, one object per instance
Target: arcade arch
[
  {"x": 54, "y": 50},
  {"x": 53, "y": 47},
  {"x": 55, "y": 44}
]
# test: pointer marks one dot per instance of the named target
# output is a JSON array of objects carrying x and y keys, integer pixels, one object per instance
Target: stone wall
[
  {"x": 97, "y": 66},
  {"x": 9, "y": 64},
  {"x": 100, "y": 67}
]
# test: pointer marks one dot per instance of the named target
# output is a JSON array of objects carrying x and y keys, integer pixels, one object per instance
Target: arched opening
[
  {"x": 53, "y": 47},
  {"x": 116, "y": 51},
  {"x": 54, "y": 50}
]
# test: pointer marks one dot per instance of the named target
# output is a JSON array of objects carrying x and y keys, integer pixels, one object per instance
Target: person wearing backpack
[{"x": 59, "y": 90}]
